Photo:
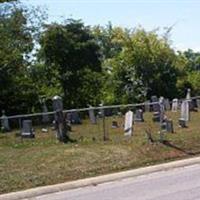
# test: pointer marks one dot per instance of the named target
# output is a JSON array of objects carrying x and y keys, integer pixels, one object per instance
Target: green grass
[{"x": 41, "y": 161}]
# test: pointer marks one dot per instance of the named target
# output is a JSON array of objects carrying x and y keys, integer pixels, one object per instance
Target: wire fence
[{"x": 98, "y": 123}]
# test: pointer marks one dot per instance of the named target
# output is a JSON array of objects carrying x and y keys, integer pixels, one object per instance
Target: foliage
[
  {"x": 17, "y": 33},
  {"x": 145, "y": 66},
  {"x": 86, "y": 65},
  {"x": 71, "y": 50}
]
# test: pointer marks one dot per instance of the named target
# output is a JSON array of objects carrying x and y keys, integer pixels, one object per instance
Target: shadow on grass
[{"x": 168, "y": 144}]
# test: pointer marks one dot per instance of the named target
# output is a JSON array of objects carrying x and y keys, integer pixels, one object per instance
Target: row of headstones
[
  {"x": 159, "y": 116},
  {"x": 74, "y": 117}
]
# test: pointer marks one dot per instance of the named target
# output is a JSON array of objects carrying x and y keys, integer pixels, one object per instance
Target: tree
[
  {"x": 71, "y": 50},
  {"x": 145, "y": 66},
  {"x": 17, "y": 31}
]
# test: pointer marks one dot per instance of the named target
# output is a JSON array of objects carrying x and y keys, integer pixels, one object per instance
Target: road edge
[{"x": 39, "y": 191}]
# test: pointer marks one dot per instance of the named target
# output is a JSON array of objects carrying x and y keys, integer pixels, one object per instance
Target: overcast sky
[{"x": 184, "y": 15}]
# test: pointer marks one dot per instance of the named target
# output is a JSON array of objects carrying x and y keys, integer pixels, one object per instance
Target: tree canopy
[{"x": 84, "y": 64}]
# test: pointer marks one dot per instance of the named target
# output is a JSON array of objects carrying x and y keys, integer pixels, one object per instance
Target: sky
[{"x": 183, "y": 15}]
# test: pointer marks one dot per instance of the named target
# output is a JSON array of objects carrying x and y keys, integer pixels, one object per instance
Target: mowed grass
[{"x": 42, "y": 161}]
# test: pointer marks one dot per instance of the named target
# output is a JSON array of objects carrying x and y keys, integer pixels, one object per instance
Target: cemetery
[{"x": 73, "y": 144}]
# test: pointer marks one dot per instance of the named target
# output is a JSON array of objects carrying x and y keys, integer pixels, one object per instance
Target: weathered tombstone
[
  {"x": 162, "y": 109},
  {"x": 4, "y": 122},
  {"x": 27, "y": 130},
  {"x": 75, "y": 118},
  {"x": 185, "y": 114},
  {"x": 147, "y": 106},
  {"x": 61, "y": 129},
  {"x": 168, "y": 126},
  {"x": 174, "y": 105},
  {"x": 128, "y": 126},
  {"x": 198, "y": 103},
  {"x": 139, "y": 116},
  {"x": 188, "y": 95},
  {"x": 45, "y": 117},
  {"x": 114, "y": 124},
  {"x": 92, "y": 116},
  {"x": 188, "y": 98},
  {"x": 154, "y": 99},
  {"x": 167, "y": 104}
]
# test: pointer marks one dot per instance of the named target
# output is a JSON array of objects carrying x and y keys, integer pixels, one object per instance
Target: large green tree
[
  {"x": 145, "y": 66},
  {"x": 71, "y": 51},
  {"x": 18, "y": 29}
]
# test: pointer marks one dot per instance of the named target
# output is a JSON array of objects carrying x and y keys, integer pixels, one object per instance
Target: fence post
[{"x": 105, "y": 132}]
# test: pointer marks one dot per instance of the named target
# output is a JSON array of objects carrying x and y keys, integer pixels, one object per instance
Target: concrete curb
[{"x": 34, "y": 192}]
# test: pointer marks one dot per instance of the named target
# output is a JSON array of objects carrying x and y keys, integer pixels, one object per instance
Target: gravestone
[
  {"x": 167, "y": 125},
  {"x": 167, "y": 104},
  {"x": 76, "y": 118},
  {"x": 128, "y": 125},
  {"x": 27, "y": 130},
  {"x": 155, "y": 106},
  {"x": 114, "y": 124},
  {"x": 185, "y": 114},
  {"x": 188, "y": 95},
  {"x": 198, "y": 103},
  {"x": 92, "y": 116},
  {"x": 147, "y": 106},
  {"x": 60, "y": 124},
  {"x": 45, "y": 117},
  {"x": 162, "y": 109},
  {"x": 139, "y": 116},
  {"x": 73, "y": 118},
  {"x": 4, "y": 122},
  {"x": 188, "y": 98},
  {"x": 174, "y": 105}
]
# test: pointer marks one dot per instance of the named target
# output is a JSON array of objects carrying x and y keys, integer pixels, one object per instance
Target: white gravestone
[
  {"x": 128, "y": 126},
  {"x": 185, "y": 112},
  {"x": 174, "y": 105},
  {"x": 45, "y": 117},
  {"x": 188, "y": 95},
  {"x": 147, "y": 106},
  {"x": 167, "y": 104},
  {"x": 4, "y": 122},
  {"x": 92, "y": 116}
]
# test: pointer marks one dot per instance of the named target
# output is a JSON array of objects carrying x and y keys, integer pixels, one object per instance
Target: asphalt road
[{"x": 176, "y": 184}]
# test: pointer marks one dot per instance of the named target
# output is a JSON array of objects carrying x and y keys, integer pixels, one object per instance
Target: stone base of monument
[
  {"x": 138, "y": 120},
  {"x": 182, "y": 123},
  {"x": 114, "y": 124},
  {"x": 156, "y": 117}
]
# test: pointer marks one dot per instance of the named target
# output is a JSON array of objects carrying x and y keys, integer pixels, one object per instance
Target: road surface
[{"x": 176, "y": 184}]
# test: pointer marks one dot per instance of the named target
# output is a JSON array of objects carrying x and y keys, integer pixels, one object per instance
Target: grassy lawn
[{"x": 41, "y": 161}]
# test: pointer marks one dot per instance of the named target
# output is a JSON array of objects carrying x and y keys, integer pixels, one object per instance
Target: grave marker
[
  {"x": 174, "y": 105},
  {"x": 92, "y": 116},
  {"x": 139, "y": 116},
  {"x": 4, "y": 122},
  {"x": 128, "y": 126},
  {"x": 27, "y": 130}
]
